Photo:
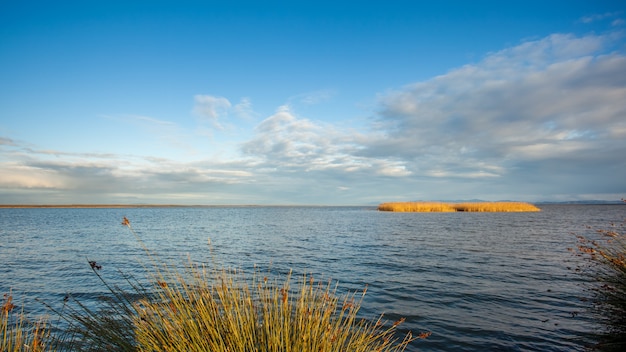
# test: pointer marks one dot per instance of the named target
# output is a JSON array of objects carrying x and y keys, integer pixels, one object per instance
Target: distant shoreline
[
  {"x": 131, "y": 206},
  {"x": 113, "y": 206}
]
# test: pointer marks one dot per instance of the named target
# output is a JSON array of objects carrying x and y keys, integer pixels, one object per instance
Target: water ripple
[{"x": 492, "y": 281}]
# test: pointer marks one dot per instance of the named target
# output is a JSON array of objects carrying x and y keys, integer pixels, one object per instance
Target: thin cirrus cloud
[
  {"x": 602, "y": 16},
  {"x": 216, "y": 110}
]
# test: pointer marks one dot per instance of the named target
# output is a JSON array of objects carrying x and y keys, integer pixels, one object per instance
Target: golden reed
[{"x": 425, "y": 207}]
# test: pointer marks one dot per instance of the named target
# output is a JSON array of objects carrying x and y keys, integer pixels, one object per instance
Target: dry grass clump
[
  {"x": 607, "y": 258},
  {"x": 17, "y": 333},
  {"x": 222, "y": 311},
  {"x": 452, "y": 207}
]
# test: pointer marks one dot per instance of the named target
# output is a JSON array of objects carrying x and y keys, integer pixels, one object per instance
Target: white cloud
[
  {"x": 243, "y": 109},
  {"x": 6, "y": 141},
  {"x": 393, "y": 169},
  {"x": 19, "y": 176},
  {"x": 542, "y": 118},
  {"x": 313, "y": 98},
  {"x": 286, "y": 142},
  {"x": 211, "y": 108},
  {"x": 540, "y": 53},
  {"x": 68, "y": 177},
  {"x": 216, "y": 110},
  {"x": 559, "y": 97},
  {"x": 618, "y": 22},
  {"x": 599, "y": 17}
]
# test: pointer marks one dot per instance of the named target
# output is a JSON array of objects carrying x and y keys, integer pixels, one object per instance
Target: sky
[{"x": 311, "y": 102}]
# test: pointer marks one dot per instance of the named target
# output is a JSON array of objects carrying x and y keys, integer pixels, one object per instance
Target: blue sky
[{"x": 329, "y": 103}]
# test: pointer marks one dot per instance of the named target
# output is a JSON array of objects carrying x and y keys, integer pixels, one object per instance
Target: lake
[{"x": 477, "y": 281}]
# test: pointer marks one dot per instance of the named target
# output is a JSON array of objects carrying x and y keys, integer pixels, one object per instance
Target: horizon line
[{"x": 113, "y": 206}]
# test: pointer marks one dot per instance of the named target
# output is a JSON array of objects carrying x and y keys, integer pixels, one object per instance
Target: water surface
[{"x": 477, "y": 281}]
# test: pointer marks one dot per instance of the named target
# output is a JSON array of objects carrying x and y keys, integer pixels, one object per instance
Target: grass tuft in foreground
[
  {"x": 210, "y": 309},
  {"x": 607, "y": 258},
  {"x": 453, "y": 207},
  {"x": 222, "y": 311}
]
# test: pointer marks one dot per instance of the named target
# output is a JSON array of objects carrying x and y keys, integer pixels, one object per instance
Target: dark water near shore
[{"x": 477, "y": 281}]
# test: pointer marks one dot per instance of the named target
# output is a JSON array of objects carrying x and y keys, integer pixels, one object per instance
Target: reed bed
[
  {"x": 416, "y": 207},
  {"x": 454, "y": 207},
  {"x": 496, "y": 207}
]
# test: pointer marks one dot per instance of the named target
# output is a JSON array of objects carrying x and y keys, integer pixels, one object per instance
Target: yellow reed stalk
[{"x": 19, "y": 334}]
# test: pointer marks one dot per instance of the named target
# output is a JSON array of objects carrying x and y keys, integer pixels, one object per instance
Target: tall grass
[
  {"x": 17, "y": 333},
  {"x": 210, "y": 308},
  {"x": 606, "y": 254},
  {"x": 226, "y": 312},
  {"x": 452, "y": 207}
]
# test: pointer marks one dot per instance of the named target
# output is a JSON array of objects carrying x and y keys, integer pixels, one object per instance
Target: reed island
[{"x": 426, "y": 207}]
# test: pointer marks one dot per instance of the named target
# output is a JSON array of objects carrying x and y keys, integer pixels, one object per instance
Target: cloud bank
[
  {"x": 547, "y": 102},
  {"x": 543, "y": 120}
]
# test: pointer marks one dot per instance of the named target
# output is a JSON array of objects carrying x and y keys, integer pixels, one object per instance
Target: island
[{"x": 426, "y": 207}]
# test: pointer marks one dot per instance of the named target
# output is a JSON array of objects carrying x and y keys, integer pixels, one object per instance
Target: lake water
[{"x": 477, "y": 281}]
